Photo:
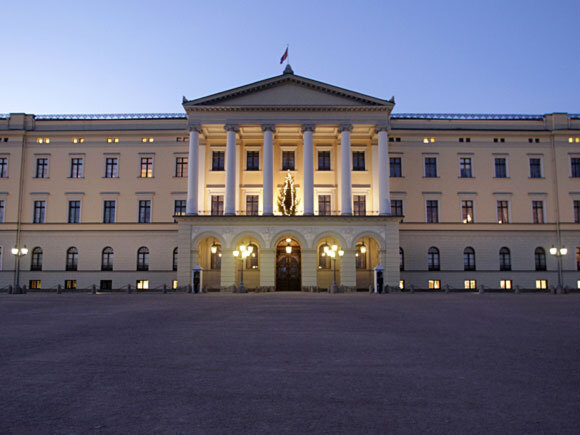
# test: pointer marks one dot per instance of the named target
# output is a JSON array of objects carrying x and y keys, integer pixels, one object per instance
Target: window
[
  {"x": 39, "y": 212},
  {"x": 288, "y": 160},
  {"x": 142, "y": 284},
  {"x": 174, "y": 261},
  {"x": 217, "y": 205},
  {"x": 216, "y": 257},
  {"x": 401, "y": 259},
  {"x": 505, "y": 284},
  {"x": 72, "y": 258},
  {"x": 112, "y": 167},
  {"x": 577, "y": 212},
  {"x": 577, "y": 258},
  {"x": 217, "y": 161},
  {"x": 541, "y": 284},
  {"x": 575, "y": 163},
  {"x": 41, "y": 168},
  {"x": 470, "y": 284},
  {"x": 107, "y": 259},
  {"x": 143, "y": 259},
  {"x": 402, "y": 284},
  {"x": 106, "y": 284},
  {"x": 500, "y": 167},
  {"x": 43, "y": 140},
  {"x": 181, "y": 167},
  {"x": 74, "y": 212},
  {"x": 70, "y": 284},
  {"x": 360, "y": 257},
  {"x": 535, "y": 168},
  {"x": 465, "y": 167},
  {"x": 112, "y": 140},
  {"x": 3, "y": 167},
  {"x": 358, "y": 161},
  {"x": 252, "y": 260},
  {"x": 464, "y": 139},
  {"x": 467, "y": 211},
  {"x": 146, "y": 167},
  {"x": 395, "y": 167},
  {"x": 397, "y": 207},
  {"x": 253, "y": 160},
  {"x": 428, "y": 140},
  {"x": 324, "y": 205},
  {"x": 360, "y": 205},
  {"x": 505, "y": 259},
  {"x": 468, "y": 259},
  {"x": 430, "y": 167},
  {"x": 499, "y": 139},
  {"x": 540, "y": 258},
  {"x": 323, "y": 259},
  {"x": 534, "y": 139},
  {"x": 174, "y": 284},
  {"x": 252, "y": 205},
  {"x": 394, "y": 139},
  {"x": 324, "y": 160},
  {"x": 182, "y": 139},
  {"x": 36, "y": 259},
  {"x": 147, "y": 139},
  {"x": 2, "y": 210},
  {"x": 179, "y": 207},
  {"x": 34, "y": 284},
  {"x": 432, "y": 211},
  {"x": 433, "y": 259},
  {"x": 144, "y": 211},
  {"x": 538, "y": 212},
  {"x": 78, "y": 140},
  {"x": 76, "y": 167},
  {"x": 109, "y": 211},
  {"x": 434, "y": 284},
  {"x": 503, "y": 212}
]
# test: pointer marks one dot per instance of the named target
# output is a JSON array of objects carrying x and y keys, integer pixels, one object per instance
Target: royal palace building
[{"x": 433, "y": 200}]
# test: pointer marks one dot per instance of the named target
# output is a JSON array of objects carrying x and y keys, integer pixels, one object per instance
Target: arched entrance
[
  {"x": 288, "y": 265},
  {"x": 367, "y": 257}
]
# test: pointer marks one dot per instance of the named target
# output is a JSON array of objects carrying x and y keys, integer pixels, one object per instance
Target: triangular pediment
[{"x": 288, "y": 90}]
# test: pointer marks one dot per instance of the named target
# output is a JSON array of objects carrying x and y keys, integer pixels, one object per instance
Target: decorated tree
[{"x": 287, "y": 200}]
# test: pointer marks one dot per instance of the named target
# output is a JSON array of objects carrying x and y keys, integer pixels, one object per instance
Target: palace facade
[{"x": 434, "y": 199}]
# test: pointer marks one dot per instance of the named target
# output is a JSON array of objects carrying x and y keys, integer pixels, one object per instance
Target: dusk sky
[{"x": 434, "y": 56}]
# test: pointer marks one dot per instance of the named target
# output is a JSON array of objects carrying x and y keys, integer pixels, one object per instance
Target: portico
[{"x": 287, "y": 125}]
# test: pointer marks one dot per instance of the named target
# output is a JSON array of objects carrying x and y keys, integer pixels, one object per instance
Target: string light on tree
[{"x": 287, "y": 200}]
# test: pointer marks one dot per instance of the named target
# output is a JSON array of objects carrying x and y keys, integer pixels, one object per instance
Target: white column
[
  {"x": 201, "y": 180},
  {"x": 346, "y": 158},
  {"x": 308, "y": 168},
  {"x": 193, "y": 169},
  {"x": 384, "y": 168},
  {"x": 231, "y": 169},
  {"x": 268, "y": 170}
]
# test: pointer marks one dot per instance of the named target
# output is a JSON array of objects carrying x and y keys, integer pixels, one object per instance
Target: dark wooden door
[{"x": 288, "y": 270}]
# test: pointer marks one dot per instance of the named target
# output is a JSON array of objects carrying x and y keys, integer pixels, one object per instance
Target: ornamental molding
[
  {"x": 269, "y": 127},
  {"x": 308, "y": 127},
  {"x": 344, "y": 127},
  {"x": 232, "y": 127}
]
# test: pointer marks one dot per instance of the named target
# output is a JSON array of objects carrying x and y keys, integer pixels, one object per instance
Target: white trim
[
  {"x": 102, "y": 220},
  {"x": 69, "y": 199},
  {"x": 471, "y": 164},
  {"x": 111, "y": 156},
  {"x": 504, "y": 197},
  {"x": 543, "y": 201},
  {"x": 325, "y": 191},
  {"x": 144, "y": 156},
  {"x": 430, "y": 198},
  {"x": 430, "y": 156},
  {"x": 541, "y": 158},
  {"x": 506, "y": 157},
  {"x": 252, "y": 192}
]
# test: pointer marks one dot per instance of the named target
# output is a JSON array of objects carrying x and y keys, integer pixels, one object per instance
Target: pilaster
[
  {"x": 309, "y": 271},
  {"x": 348, "y": 270},
  {"x": 267, "y": 268},
  {"x": 228, "y": 270},
  {"x": 392, "y": 259},
  {"x": 184, "y": 254}
]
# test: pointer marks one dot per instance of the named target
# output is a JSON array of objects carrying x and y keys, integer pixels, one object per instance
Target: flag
[{"x": 284, "y": 56}]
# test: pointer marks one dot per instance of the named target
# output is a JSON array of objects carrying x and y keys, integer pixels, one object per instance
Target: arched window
[
  {"x": 361, "y": 257},
  {"x": 107, "y": 259},
  {"x": 175, "y": 259},
  {"x": 433, "y": 258},
  {"x": 323, "y": 259},
  {"x": 468, "y": 259},
  {"x": 505, "y": 259},
  {"x": 401, "y": 259},
  {"x": 0, "y": 257},
  {"x": 143, "y": 258},
  {"x": 72, "y": 258},
  {"x": 540, "y": 257},
  {"x": 215, "y": 260},
  {"x": 36, "y": 259},
  {"x": 252, "y": 260}
]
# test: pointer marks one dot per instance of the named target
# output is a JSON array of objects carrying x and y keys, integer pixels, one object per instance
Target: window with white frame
[
  {"x": 252, "y": 205},
  {"x": 465, "y": 169},
  {"x": 39, "y": 214},
  {"x": 2, "y": 210},
  {"x": 467, "y": 211},
  {"x": 500, "y": 167},
  {"x": 359, "y": 205},
  {"x": 432, "y": 208},
  {"x": 111, "y": 167},
  {"x": 538, "y": 212},
  {"x": 41, "y": 167},
  {"x": 430, "y": 167},
  {"x": 76, "y": 167},
  {"x": 74, "y": 212},
  {"x": 324, "y": 207},
  {"x": 3, "y": 167},
  {"x": 503, "y": 215},
  {"x": 535, "y": 167}
]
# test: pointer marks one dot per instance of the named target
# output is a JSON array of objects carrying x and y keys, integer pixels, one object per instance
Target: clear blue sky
[{"x": 469, "y": 56}]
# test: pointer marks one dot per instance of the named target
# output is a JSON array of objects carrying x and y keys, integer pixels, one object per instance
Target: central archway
[{"x": 288, "y": 265}]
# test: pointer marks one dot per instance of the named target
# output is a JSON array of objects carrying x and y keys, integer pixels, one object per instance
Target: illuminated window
[
  {"x": 252, "y": 260},
  {"x": 147, "y": 139},
  {"x": 146, "y": 167},
  {"x": 252, "y": 205},
  {"x": 142, "y": 284},
  {"x": 503, "y": 216},
  {"x": 578, "y": 283},
  {"x": 43, "y": 140},
  {"x": 112, "y": 140},
  {"x": 361, "y": 257},
  {"x": 215, "y": 257},
  {"x": 179, "y": 207},
  {"x": 78, "y": 139},
  {"x": 174, "y": 284},
  {"x": 324, "y": 205},
  {"x": 428, "y": 139},
  {"x": 434, "y": 284},
  {"x": 181, "y": 167},
  {"x": 467, "y": 211},
  {"x": 70, "y": 284},
  {"x": 402, "y": 284},
  {"x": 217, "y": 205},
  {"x": 470, "y": 284},
  {"x": 541, "y": 284},
  {"x": 505, "y": 284},
  {"x": 34, "y": 284}
]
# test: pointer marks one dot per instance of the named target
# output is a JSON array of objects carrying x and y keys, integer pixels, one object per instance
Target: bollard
[
  {"x": 411, "y": 288},
  {"x": 164, "y": 289},
  {"x": 129, "y": 289},
  {"x": 481, "y": 289},
  {"x": 58, "y": 289},
  {"x": 10, "y": 289},
  {"x": 94, "y": 289},
  {"x": 517, "y": 290},
  {"x": 447, "y": 288},
  {"x": 189, "y": 288}
]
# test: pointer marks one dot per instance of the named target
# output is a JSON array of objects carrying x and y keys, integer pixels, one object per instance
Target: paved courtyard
[{"x": 290, "y": 363}]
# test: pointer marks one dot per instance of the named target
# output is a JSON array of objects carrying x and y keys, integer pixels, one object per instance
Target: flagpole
[{"x": 288, "y": 57}]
